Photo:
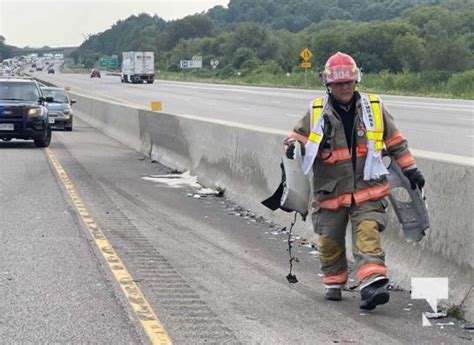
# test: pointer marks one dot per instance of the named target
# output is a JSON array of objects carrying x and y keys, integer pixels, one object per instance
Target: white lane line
[
  {"x": 294, "y": 115},
  {"x": 427, "y": 130},
  {"x": 401, "y": 105},
  {"x": 464, "y": 118},
  {"x": 433, "y": 104}
]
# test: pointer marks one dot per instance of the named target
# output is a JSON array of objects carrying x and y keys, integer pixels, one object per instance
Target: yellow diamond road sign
[{"x": 306, "y": 54}]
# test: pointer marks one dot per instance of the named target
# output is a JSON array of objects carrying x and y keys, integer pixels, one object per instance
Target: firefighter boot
[
  {"x": 374, "y": 294},
  {"x": 333, "y": 293}
]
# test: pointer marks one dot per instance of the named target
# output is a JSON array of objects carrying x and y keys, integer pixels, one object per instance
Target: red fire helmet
[{"x": 340, "y": 68}]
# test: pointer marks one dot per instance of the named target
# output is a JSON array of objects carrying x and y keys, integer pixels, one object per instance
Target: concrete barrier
[{"x": 245, "y": 161}]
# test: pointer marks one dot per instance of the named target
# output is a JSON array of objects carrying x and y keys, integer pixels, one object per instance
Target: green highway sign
[{"x": 108, "y": 62}]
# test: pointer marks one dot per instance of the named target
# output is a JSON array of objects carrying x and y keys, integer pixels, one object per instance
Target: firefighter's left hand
[{"x": 416, "y": 178}]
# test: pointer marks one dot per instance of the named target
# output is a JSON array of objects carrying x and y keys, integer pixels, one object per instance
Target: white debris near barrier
[{"x": 175, "y": 180}]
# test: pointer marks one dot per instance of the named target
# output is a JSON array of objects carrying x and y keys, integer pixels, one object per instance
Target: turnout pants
[{"x": 367, "y": 221}]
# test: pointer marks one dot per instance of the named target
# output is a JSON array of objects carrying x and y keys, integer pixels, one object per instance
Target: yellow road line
[{"x": 142, "y": 309}]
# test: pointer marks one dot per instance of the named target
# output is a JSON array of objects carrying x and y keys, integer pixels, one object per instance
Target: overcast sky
[{"x": 36, "y": 23}]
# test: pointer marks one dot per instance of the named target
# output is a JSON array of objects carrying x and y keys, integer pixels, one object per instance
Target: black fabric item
[
  {"x": 416, "y": 178},
  {"x": 347, "y": 118}
]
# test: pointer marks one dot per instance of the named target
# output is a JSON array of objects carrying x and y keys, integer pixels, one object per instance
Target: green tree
[
  {"x": 410, "y": 51},
  {"x": 189, "y": 27}
]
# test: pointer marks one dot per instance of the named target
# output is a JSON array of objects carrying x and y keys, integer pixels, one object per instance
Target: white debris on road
[
  {"x": 184, "y": 180},
  {"x": 175, "y": 180}
]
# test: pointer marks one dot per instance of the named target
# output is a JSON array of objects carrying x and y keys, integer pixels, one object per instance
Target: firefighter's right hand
[{"x": 290, "y": 149}]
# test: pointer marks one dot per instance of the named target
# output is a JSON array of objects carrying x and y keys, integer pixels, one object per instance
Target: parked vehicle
[
  {"x": 24, "y": 111},
  {"x": 138, "y": 67},
  {"x": 51, "y": 71},
  {"x": 60, "y": 115}
]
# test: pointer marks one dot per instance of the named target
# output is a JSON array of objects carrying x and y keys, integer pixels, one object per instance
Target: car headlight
[
  {"x": 34, "y": 112},
  {"x": 67, "y": 117}
]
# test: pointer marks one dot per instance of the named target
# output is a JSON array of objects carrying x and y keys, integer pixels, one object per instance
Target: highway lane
[
  {"x": 52, "y": 287},
  {"x": 430, "y": 124}
]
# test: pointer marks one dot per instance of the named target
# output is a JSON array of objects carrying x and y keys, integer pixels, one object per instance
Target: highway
[
  {"x": 429, "y": 124},
  {"x": 212, "y": 272}
]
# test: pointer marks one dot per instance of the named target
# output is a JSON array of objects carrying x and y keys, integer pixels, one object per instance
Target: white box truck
[{"x": 138, "y": 67}]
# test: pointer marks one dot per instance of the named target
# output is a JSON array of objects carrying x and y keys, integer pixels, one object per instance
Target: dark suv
[{"x": 24, "y": 111}]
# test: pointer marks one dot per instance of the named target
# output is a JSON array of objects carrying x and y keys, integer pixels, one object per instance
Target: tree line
[
  {"x": 250, "y": 36},
  {"x": 390, "y": 35}
]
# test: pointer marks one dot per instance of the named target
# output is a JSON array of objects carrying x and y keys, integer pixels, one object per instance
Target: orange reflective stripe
[
  {"x": 395, "y": 139},
  {"x": 331, "y": 157},
  {"x": 406, "y": 160},
  {"x": 371, "y": 193},
  {"x": 361, "y": 150},
  {"x": 296, "y": 136},
  {"x": 369, "y": 269},
  {"x": 336, "y": 278},
  {"x": 335, "y": 203}
]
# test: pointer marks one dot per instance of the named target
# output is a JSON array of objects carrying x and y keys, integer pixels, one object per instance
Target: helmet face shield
[
  {"x": 341, "y": 74},
  {"x": 340, "y": 68}
]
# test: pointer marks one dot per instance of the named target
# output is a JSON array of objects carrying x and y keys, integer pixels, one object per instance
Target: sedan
[{"x": 60, "y": 109}]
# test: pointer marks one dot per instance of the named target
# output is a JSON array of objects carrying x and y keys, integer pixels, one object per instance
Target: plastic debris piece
[
  {"x": 445, "y": 324},
  {"x": 407, "y": 309},
  {"x": 195, "y": 196},
  {"x": 439, "y": 315},
  {"x": 208, "y": 191},
  {"x": 321, "y": 275},
  {"x": 362, "y": 314},
  {"x": 314, "y": 252}
]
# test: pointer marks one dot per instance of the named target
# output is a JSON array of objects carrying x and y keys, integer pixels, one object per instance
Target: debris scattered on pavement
[
  {"x": 304, "y": 242},
  {"x": 313, "y": 252},
  {"x": 407, "y": 309},
  {"x": 464, "y": 337},
  {"x": 445, "y": 324},
  {"x": 393, "y": 287},
  {"x": 438, "y": 315},
  {"x": 175, "y": 180}
]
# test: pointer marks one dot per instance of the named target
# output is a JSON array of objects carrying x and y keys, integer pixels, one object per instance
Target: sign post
[{"x": 306, "y": 55}]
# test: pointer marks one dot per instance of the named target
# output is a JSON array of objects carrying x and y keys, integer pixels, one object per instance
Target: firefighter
[{"x": 343, "y": 134}]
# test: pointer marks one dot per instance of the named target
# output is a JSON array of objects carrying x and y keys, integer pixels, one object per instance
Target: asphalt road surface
[
  {"x": 212, "y": 272},
  {"x": 429, "y": 124}
]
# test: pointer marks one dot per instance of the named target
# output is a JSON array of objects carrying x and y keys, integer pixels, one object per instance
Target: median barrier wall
[{"x": 245, "y": 161}]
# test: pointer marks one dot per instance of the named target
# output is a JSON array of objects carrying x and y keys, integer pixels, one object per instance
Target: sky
[{"x": 56, "y": 23}]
